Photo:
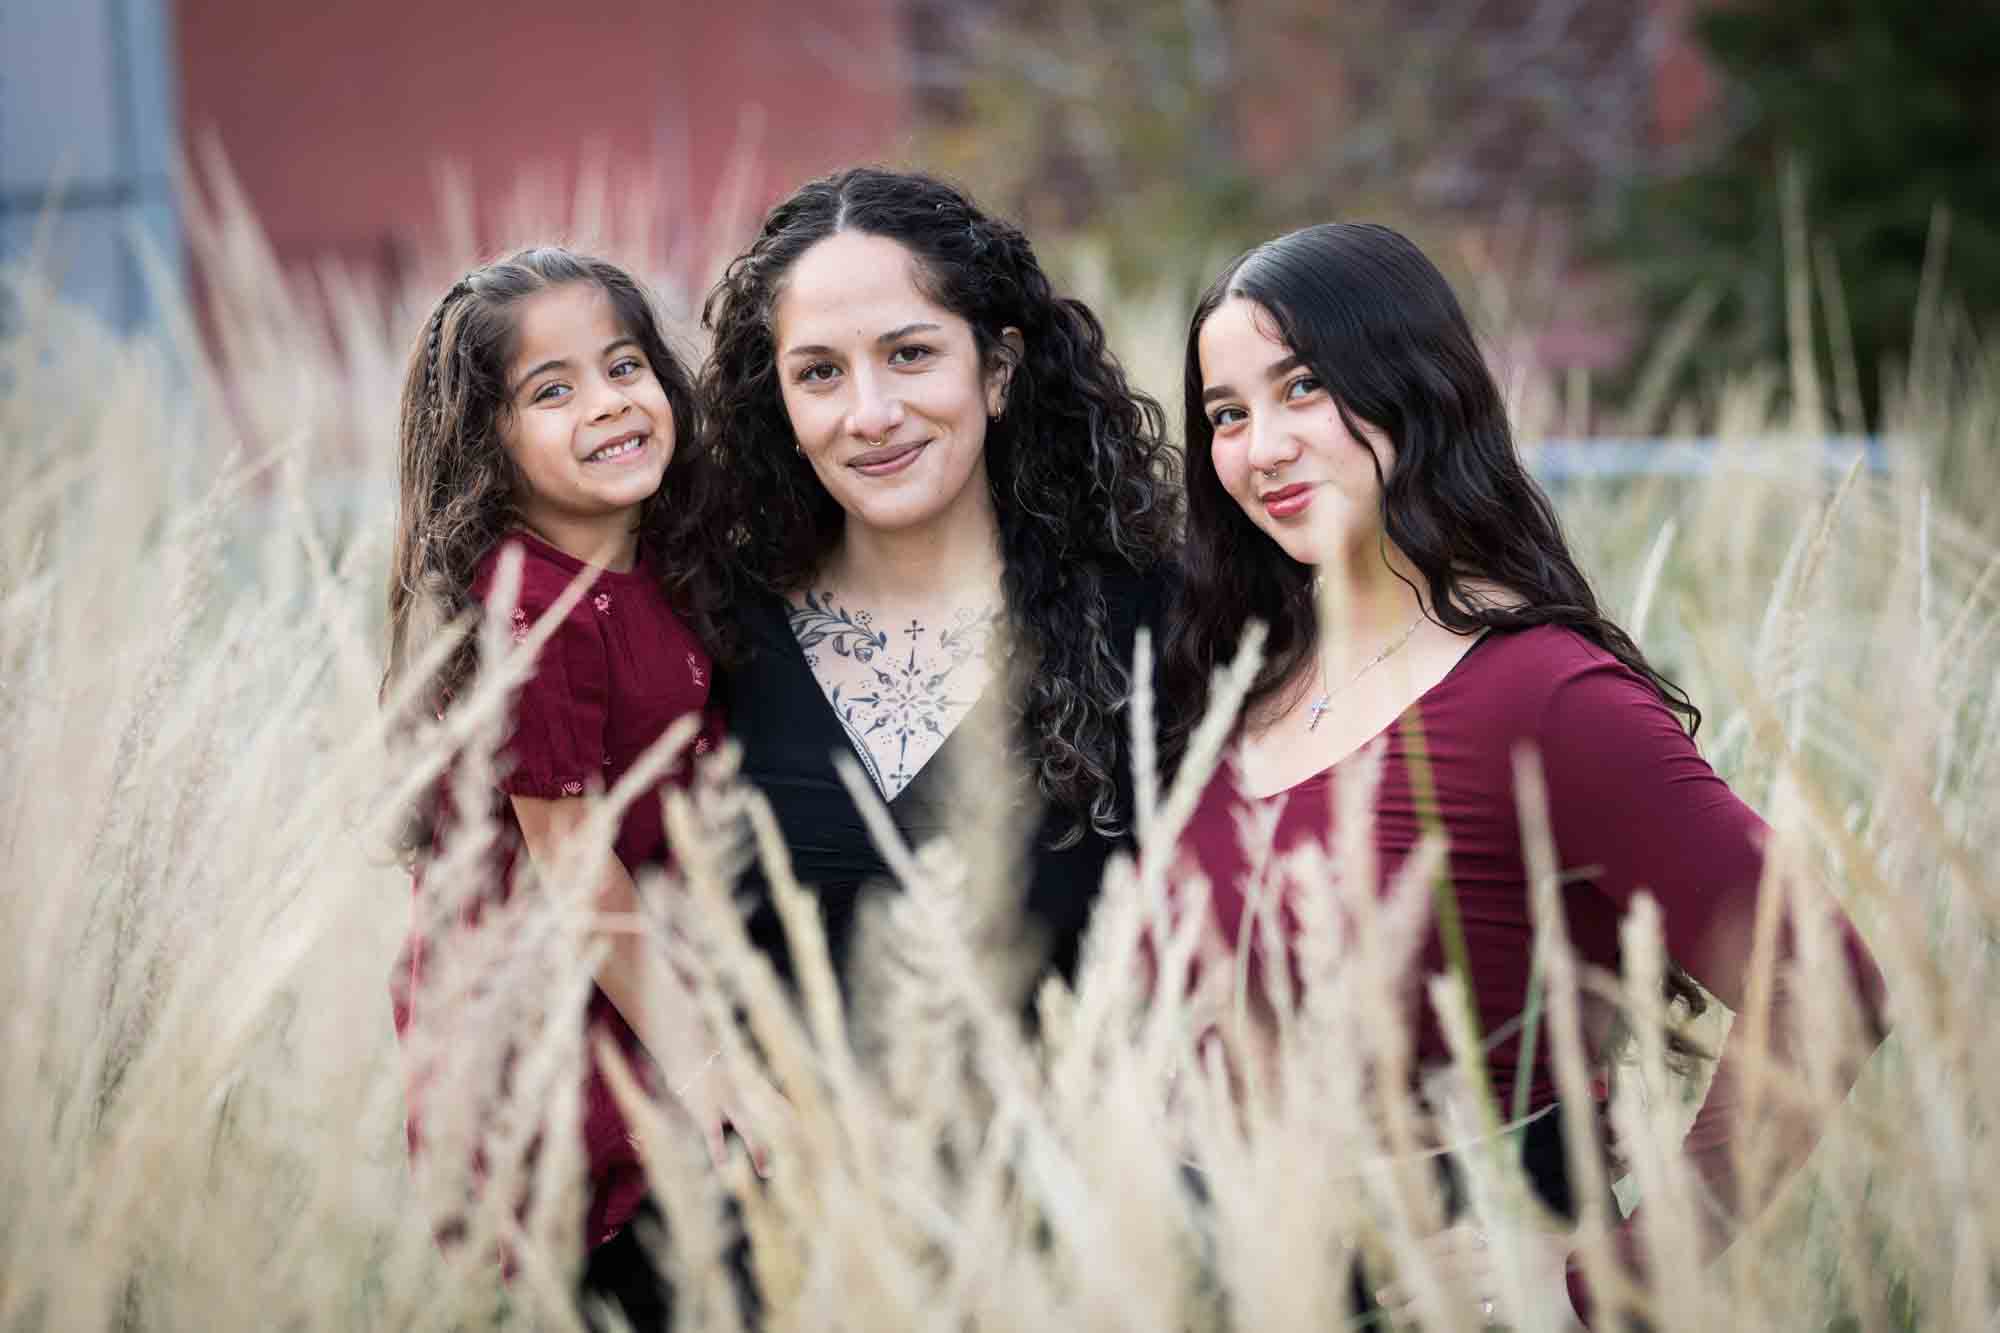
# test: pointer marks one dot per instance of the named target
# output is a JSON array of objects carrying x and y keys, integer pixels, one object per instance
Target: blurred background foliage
[
  {"x": 1890, "y": 113},
  {"x": 1608, "y": 181},
  {"x": 1178, "y": 128},
  {"x": 1641, "y": 145}
]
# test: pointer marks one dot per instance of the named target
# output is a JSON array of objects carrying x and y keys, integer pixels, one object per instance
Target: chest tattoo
[{"x": 899, "y": 693}]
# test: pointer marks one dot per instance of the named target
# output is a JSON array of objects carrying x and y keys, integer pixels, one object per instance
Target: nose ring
[{"x": 1270, "y": 472}]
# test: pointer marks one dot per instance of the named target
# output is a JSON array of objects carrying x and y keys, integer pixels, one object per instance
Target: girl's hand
[
  {"x": 1463, "y": 1259},
  {"x": 748, "y": 1105}
]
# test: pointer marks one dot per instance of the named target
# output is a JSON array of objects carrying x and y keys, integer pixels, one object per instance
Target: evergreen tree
[{"x": 1889, "y": 110}]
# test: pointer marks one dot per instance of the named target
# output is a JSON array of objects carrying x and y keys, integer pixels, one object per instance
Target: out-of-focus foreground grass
[{"x": 203, "y": 1099}]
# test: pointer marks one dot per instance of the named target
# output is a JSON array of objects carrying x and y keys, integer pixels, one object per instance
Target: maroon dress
[
  {"x": 618, "y": 670},
  {"x": 1633, "y": 806}
]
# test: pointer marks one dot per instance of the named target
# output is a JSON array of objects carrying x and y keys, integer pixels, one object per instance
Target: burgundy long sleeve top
[{"x": 1633, "y": 805}]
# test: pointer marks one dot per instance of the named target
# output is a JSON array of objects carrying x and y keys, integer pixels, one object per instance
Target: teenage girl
[
  {"x": 1341, "y": 424},
  {"x": 541, "y": 412}
]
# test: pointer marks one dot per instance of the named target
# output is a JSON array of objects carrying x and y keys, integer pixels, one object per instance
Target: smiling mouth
[
  {"x": 622, "y": 447},
  {"x": 889, "y": 458},
  {"x": 1287, "y": 500}
]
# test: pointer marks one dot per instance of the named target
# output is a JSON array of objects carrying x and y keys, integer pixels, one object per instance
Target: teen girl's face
[
  {"x": 1281, "y": 449},
  {"x": 886, "y": 390},
  {"x": 588, "y": 424}
]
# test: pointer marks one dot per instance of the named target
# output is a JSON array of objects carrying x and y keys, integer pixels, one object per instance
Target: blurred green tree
[{"x": 1889, "y": 112}]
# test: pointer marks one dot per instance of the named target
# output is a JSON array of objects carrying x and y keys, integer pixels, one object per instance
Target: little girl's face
[{"x": 588, "y": 424}]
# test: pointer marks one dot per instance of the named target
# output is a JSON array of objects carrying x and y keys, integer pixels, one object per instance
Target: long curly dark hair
[
  {"x": 456, "y": 481},
  {"x": 1379, "y": 326},
  {"x": 1082, "y": 482}
]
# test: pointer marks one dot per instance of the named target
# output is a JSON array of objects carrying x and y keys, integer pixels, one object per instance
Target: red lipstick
[{"x": 1287, "y": 500}]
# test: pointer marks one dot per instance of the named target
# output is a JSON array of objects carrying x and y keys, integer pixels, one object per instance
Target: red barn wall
[{"x": 336, "y": 117}]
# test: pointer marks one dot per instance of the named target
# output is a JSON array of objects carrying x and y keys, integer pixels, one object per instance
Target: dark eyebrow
[
  {"x": 881, "y": 340},
  {"x": 560, "y": 364},
  {"x": 545, "y": 367},
  {"x": 1276, "y": 370}
]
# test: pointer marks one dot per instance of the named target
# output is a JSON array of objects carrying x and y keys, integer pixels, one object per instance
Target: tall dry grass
[{"x": 203, "y": 1099}]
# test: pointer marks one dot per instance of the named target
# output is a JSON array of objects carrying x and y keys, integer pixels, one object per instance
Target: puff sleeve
[{"x": 556, "y": 746}]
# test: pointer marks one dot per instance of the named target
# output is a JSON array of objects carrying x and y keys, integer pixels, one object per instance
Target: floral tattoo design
[{"x": 898, "y": 696}]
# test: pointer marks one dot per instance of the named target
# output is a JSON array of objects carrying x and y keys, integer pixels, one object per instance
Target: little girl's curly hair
[{"x": 457, "y": 484}]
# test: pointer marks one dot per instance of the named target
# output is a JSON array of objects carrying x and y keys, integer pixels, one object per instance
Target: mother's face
[{"x": 887, "y": 393}]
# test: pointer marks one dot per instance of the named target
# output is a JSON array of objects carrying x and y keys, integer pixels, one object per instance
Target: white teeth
[{"x": 610, "y": 451}]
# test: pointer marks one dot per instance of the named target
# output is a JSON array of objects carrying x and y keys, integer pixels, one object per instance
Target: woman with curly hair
[{"x": 928, "y": 502}]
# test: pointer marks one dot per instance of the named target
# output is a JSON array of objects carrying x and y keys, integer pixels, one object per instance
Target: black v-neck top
[{"x": 790, "y": 737}]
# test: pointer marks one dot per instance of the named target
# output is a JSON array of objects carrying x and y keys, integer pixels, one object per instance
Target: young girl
[
  {"x": 541, "y": 412},
  {"x": 1341, "y": 424}
]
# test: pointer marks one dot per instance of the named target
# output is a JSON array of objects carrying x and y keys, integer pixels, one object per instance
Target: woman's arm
[{"x": 1636, "y": 808}]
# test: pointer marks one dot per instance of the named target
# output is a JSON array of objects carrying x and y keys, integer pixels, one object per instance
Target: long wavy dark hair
[
  {"x": 1081, "y": 479},
  {"x": 457, "y": 483},
  {"x": 1380, "y": 328}
]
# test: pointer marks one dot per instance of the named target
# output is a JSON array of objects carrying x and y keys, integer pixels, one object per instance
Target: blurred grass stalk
[{"x": 203, "y": 1100}]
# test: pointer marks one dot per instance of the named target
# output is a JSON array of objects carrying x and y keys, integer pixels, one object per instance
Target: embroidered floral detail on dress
[
  {"x": 603, "y": 603},
  {"x": 701, "y": 745},
  {"x": 696, "y": 670},
  {"x": 520, "y": 625},
  {"x": 572, "y": 788}
]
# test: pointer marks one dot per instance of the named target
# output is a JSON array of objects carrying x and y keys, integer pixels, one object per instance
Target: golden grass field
[{"x": 203, "y": 1096}]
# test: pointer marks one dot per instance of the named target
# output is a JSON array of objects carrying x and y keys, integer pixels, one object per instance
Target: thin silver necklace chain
[{"x": 1325, "y": 700}]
